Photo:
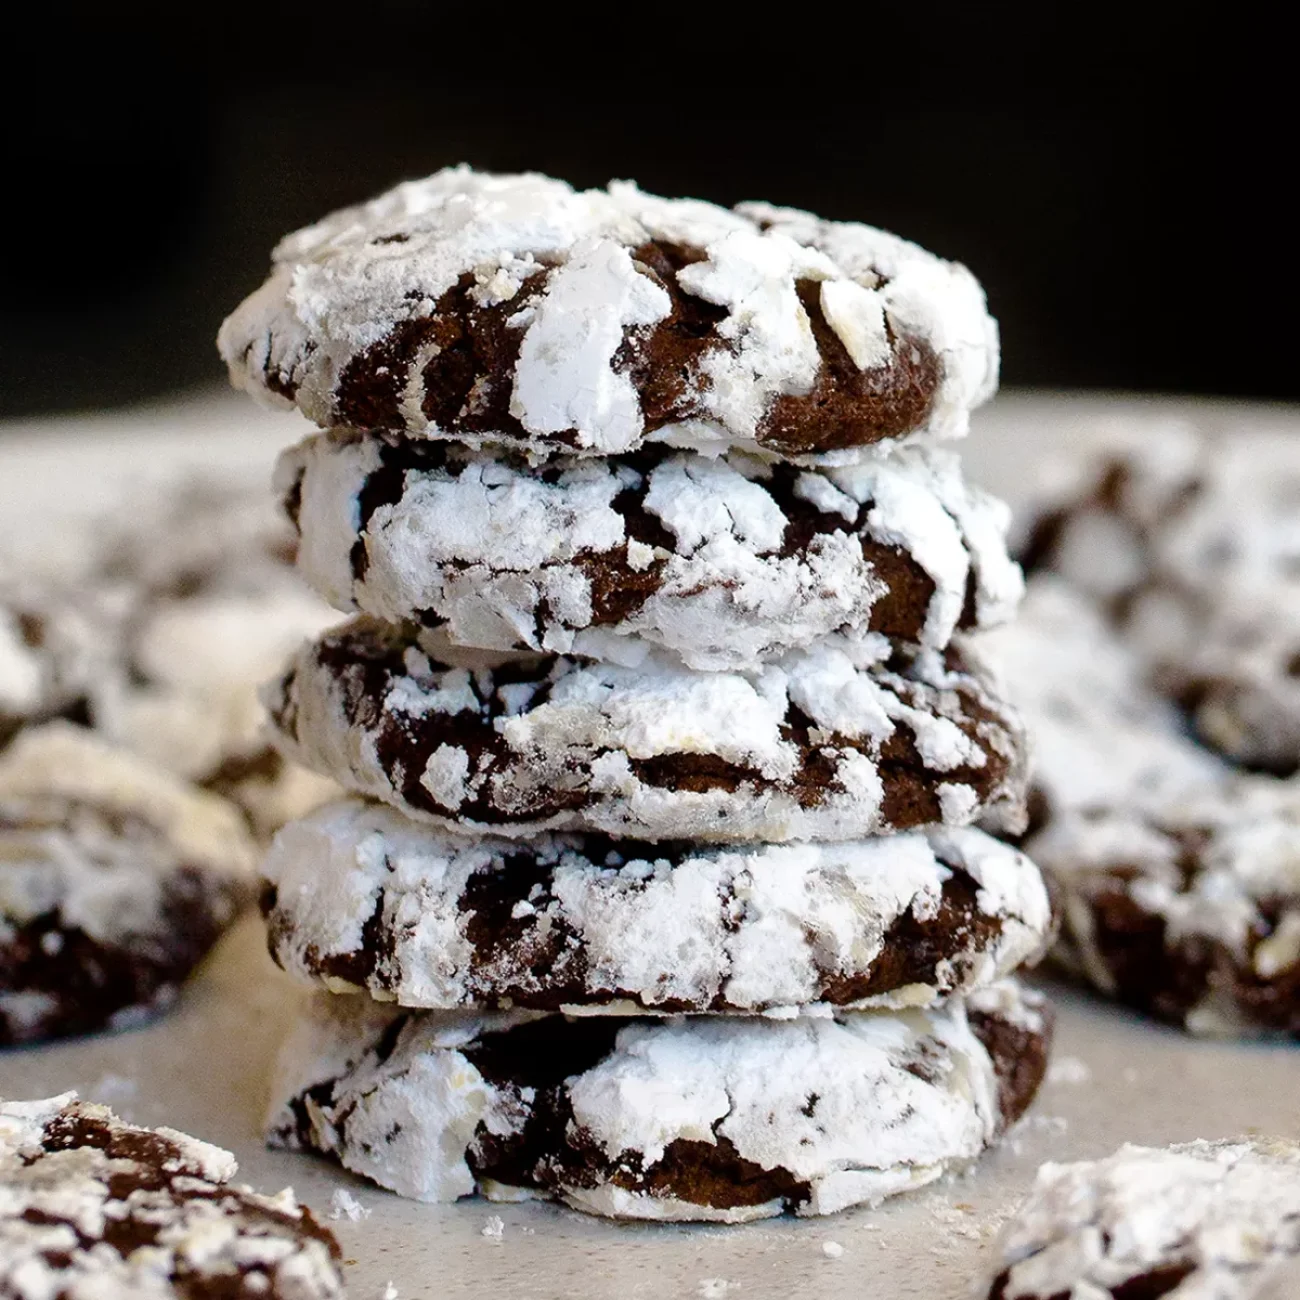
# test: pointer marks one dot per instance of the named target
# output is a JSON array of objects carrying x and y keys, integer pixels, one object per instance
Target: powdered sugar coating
[
  {"x": 719, "y": 1118},
  {"x": 836, "y": 742},
  {"x": 1200, "y": 1221},
  {"x": 727, "y": 561},
  {"x": 60, "y": 761},
  {"x": 1194, "y": 540},
  {"x": 115, "y": 879},
  {"x": 91, "y": 1206},
  {"x": 1190, "y": 909},
  {"x": 515, "y": 309},
  {"x": 1101, "y": 736},
  {"x": 367, "y": 900}
]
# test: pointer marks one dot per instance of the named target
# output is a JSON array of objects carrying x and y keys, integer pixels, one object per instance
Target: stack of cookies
[{"x": 666, "y": 886}]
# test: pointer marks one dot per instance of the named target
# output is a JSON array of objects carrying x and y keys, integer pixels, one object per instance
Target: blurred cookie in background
[
  {"x": 214, "y": 606},
  {"x": 116, "y": 878}
]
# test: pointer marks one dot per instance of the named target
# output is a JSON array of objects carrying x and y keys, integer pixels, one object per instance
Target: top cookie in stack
[
  {"x": 513, "y": 311},
  {"x": 642, "y": 510}
]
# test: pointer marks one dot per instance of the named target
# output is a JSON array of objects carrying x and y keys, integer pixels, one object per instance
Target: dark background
[{"x": 1120, "y": 188}]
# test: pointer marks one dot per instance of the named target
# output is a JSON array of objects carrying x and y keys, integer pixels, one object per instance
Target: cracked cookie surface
[
  {"x": 116, "y": 878},
  {"x": 1189, "y": 909},
  {"x": 1217, "y": 1219},
  {"x": 851, "y": 738},
  {"x": 362, "y": 899},
  {"x": 515, "y": 310},
  {"x": 93, "y": 1206},
  {"x": 725, "y": 561},
  {"x": 711, "y": 1118}
]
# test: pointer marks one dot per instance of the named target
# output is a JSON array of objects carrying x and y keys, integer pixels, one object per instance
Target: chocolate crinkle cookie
[
  {"x": 726, "y": 561},
  {"x": 91, "y": 1206},
  {"x": 1191, "y": 911},
  {"x": 712, "y": 1118},
  {"x": 1202, "y": 1220},
  {"x": 213, "y": 606},
  {"x": 361, "y": 899},
  {"x": 853, "y": 737},
  {"x": 515, "y": 310},
  {"x": 115, "y": 880}
]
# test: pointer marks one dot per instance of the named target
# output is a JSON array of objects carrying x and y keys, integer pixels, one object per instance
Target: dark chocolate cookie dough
[
  {"x": 115, "y": 881},
  {"x": 90, "y": 1205},
  {"x": 360, "y": 898}
]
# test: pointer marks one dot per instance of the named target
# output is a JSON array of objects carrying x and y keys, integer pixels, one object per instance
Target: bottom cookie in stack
[
  {"x": 575, "y": 1015},
  {"x": 721, "y": 1118}
]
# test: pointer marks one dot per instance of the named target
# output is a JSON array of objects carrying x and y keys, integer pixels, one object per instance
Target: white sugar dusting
[
  {"x": 347, "y": 283},
  {"x": 838, "y": 1102},
  {"x": 756, "y": 927},
  {"x": 343, "y": 1205}
]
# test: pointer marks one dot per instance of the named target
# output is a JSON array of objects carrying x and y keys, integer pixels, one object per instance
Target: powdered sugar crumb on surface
[
  {"x": 343, "y": 1205},
  {"x": 714, "y": 1288},
  {"x": 1068, "y": 1070}
]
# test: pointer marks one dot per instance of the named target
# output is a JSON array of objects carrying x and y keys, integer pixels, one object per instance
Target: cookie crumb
[
  {"x": 495, "y": 1227},
  {"x": 714, "y": 1288},
  {"x": 390, "y": 1292},
  {"x": 832, "y": 1249},
  {"x": 343, "y": 1205}
]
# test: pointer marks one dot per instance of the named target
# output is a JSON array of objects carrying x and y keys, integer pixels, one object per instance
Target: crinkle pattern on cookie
[
  {"x": 115, "y": 880},
  {"x": 362, "y": 899},
  {"x": 1101, "y": 735},
  {"x": 93, "y": 1207},
  {"x": 1219, "y": 1220},
  {"x": 512, "y": 309},
  {"x": 1189, "y": 911},
  {"x": 727, "y": 561},
  {"x": 851, "y": 738},
  {"x": 722, "y": 1118}
]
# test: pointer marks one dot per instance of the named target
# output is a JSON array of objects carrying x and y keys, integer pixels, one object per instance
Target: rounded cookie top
[
  {"x": 360, "y": 898},
  {"x": 1190, "y": 909},
  {"x": 848, "y": 739},
  {"x": 1231, "y": 659},
  {"x": 711, "y": 1118},
  {"x": 726, "y": 561},
  {"x": 1217, "y": 1219},
  {"x": 514, "y": 309},
  {"x": 92, "y": 1205},
  {"x": 115, "y": 880}
]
